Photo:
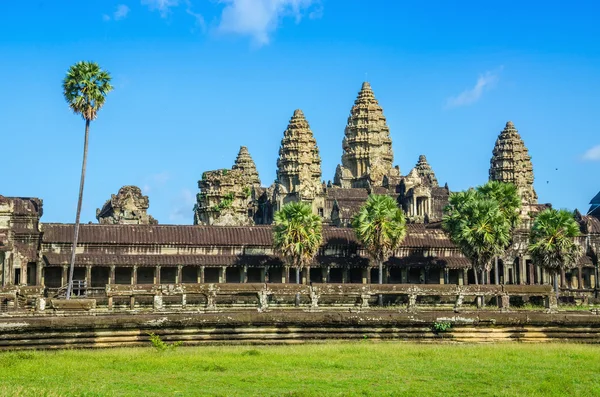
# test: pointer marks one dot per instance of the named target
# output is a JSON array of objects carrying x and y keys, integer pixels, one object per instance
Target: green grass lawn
[{"x": 335, "y": 369}]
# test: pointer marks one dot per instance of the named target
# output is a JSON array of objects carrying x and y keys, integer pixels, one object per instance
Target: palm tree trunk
[
  {"x": 78, "y": 215},
  {"x": 556, "y": 285},
  {"x": 297, "y": 301},
  {"x": 476, "y": 277},
  {"x": 380, "y": 297}
]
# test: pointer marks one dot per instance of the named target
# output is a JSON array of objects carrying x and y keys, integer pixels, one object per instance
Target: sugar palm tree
[
  {"x": 552, "y": 242},
  {"x": 478, "y": 227},
  {"x": 507, "y": 197},
  {"x": 297, "y": 235},
  {"x": 84, "y": 88},
  {"x": 380, "y": 226}
]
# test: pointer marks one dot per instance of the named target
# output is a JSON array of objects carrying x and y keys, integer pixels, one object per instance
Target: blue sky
[{"x": 195, "y": 79}]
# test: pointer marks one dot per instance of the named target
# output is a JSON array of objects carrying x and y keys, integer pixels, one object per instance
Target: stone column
[
  {"x": 285, "y": 275},
  {"x": 523, "y": 270},
  {"x": 369, "y": 281},
  {"x": 364, "y": 275},
  {"x": 244, "y": 274},
  {"x": 88, "y": 276},
  {"x": 200, "y": 275},
  {"x": 112, "y": 274},
  {"x": 580, "y": 278},
  {"x": 64, "y": 278},
  {"x": 465, "y": 276},
  {"x": 134, "y": 275},
  {"x": 157, "y": 275},
  {"x": 222, "y": 275},
  {"x": 264, "y": 274},
  {"x": 38, "y": 274},
  {"x": 592, "y": 280},
  {"x": 344, "y": 275},
  {"x": 324, "y": 271},
  {"x": 42, "y": 276},
  {"x": 179, "y": 276},
  {"x": 574, "y": 280},
  {"x": 305, "y": 275},
  {"x": 442, "y": 276},
  {"x": 496, "y": 274}
]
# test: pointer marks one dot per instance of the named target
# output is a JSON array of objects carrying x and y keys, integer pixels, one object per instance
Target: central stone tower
[
  {"x": 511, "y": 163},
  {"x": 367, "y": 147}
]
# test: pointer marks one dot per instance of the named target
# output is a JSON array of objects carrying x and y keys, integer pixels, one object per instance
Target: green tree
[
  {"x": 297, "y": 235},
  {"x": 478, "y": 226},
  {"x": 509, "y": 201},
  {"x": 552, "y": 242},
  {"x": 85, "y": 88},
  {"x": 507, "y": 197},
  {"x": 380, "y": 226}
]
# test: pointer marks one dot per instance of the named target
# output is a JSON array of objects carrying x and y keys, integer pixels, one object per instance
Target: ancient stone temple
[
  {"x": 511, "y": 163},
  {"x": 299, "y": 166},
  {"x": 225, "y": 196},
  {"x": 127, "y": 207},
  {"x": 421, "y": 198},
  {"x": 367, "y": 147},
  {"x": 127, "y": 259}
]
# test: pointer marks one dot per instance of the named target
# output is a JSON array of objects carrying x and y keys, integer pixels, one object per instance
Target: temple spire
[
  {"x": 511, "y": 163},
  {"x": 367, "y": 147},
  {"x": 299, "y": 162},
  {"x": 425, "y": 171},
  {"x": 244, "y": 163}
]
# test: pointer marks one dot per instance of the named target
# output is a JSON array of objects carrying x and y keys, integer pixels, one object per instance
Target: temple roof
[
  {"x": 418, "y": 235},
  {"x": 511, "y": 162},
  {"x": 424, "y": 171},
  {"x": 299, "y": 162},
  {"x": 245, "y": 163}
]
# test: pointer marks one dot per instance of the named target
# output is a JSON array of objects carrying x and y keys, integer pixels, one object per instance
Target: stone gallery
[{"x": 231, "y": 239}]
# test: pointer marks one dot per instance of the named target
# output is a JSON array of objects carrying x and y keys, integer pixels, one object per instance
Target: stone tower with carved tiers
[
  {"x": 299, "y": 162},
  {"x": 367, "y": 147},
  {"x": 511, "y": 163},
  {"x": 226, "y": 195}
]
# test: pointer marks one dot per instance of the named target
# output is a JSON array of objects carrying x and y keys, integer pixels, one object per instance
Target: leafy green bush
[
  {"x": 161, "y": 345},
  {"x": 441, "y": 326}
]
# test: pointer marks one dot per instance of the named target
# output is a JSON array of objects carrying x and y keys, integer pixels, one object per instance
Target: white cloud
[
  {"x": 260, "y": 18},
  {"x": 184, "y": 204},
  {"x": 155, "y": 180},
  {"x": 472, "y": 95},
  {"x": 162, "y": 6},
  {"x": 120, "y": 13},
  {"x": 592, "y": 154}
]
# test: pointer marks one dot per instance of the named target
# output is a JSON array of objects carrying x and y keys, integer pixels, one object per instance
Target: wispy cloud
[
  {"x": 260, "y": 18},
  {"x": 162, "y": 6},
  {"x": 183, "y": 205},
  {"x": 593, "y": 154},
  {"x": 485, "y": 82},
  {"x": 120, "y": 13},
  {"x": 154, "y": 181}
]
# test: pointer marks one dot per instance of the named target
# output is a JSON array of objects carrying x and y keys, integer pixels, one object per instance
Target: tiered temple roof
[
  {"x": 367, "y": 147},
  {"x": 511, "y": 163},
  {"x": 128, "y": 206},
  {"x": 424, "y": 170},
  {"x": 299, "y": 162},
  {"x": 245, "y": 163}
]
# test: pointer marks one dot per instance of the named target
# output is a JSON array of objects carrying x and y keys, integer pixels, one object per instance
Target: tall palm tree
[
  {"x": 85, "y": 88},
  {"x": 507, "y": 197},
  {"x": 380, "y": 226},
  {"x": 297, "y": 235},
  {"x": 478, "y": 227},
  {"x": 552, "y": 242}
]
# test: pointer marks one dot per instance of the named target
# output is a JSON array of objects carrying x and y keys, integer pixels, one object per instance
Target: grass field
[{"x": 334, "y": 369}]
